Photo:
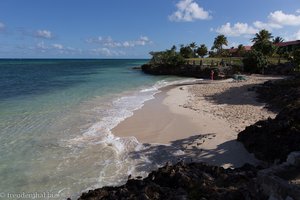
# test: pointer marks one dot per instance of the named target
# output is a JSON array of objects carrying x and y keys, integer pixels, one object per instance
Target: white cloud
[
  {"x": 44, "y": 34},
  {"x": 142, "y": 41},
  {"x": 276, "y": 20},
  {"x": 2, "y": 26},
  {"x": 110, "y": 43},
  {"x": 232, "y": 44},
  {"x": 298, "y": 11},
  {"x": 58, "y": 46},
  {"x": 296, "y": 36},
  {"x": 106, "y": 52},
  {"x": 280, "y": 18},
  {"x": 237, "y": 29},
  {"x": 94, "y": 40},
  {"x": 268, "y": 26},
  {"x": 187, "y": 11},
  {"x": 55, "y": 49},
  {"x": 41, "y": 46}
]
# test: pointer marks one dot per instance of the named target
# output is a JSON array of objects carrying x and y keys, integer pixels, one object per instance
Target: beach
[{"x": 199, "y": 121}]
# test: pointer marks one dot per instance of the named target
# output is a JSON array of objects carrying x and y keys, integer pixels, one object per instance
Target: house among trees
[
  {"x": 289, "y": 46},
  {"x": 239, "y": 51}
]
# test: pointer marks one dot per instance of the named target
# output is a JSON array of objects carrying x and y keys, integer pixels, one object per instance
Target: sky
[{"x": 133, "y": 28}]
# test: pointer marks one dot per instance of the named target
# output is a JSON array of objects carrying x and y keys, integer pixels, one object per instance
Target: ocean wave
[
  {"x": 99, "y": 135},
  {"x": 120, "y": 109}
]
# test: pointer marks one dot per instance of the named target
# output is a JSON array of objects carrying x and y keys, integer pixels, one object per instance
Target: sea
[{"x": 56, "y": 117}]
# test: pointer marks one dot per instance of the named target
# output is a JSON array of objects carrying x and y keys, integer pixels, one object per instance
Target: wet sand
[{"x": 202, "y": 120}]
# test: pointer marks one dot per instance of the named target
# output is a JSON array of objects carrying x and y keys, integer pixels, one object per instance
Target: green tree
[
  {"x": 262, "y": 36},
  {"x": 296, "y": 56},
  {"x": 280, "y": 50},
  {"x": 219, "y": 41},
  {"x": 262, "y": 43},
  {"x": 167, "y": 57},
  {"x": 278, "y": 40},
  {"x": 187, "y": 51},
  {"x": 202, "y": 50},
  {"x": 173, "y": 48},
  {"x": 240, "y": 50},
  {"x": 255, "y": 62},
  {"x": 193, "y": 45}
]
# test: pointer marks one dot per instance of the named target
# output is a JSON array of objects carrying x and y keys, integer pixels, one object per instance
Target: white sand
[{"x": 199, "y": 120}]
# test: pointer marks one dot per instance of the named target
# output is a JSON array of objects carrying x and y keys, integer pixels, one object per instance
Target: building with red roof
[{"x": 289, "y": 46}]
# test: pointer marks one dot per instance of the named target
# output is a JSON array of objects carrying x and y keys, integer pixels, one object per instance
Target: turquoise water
[{"x": 55, "y": 122}]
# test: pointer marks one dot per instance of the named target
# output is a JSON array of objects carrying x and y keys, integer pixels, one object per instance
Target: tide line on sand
[{"x": 200, "y": 121}]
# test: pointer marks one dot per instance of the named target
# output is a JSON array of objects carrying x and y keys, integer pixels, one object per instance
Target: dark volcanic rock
[
  {"x": 186, "y": 181},
  {"x": 279, "y": 94},
  {"x": 184, "y": 70},
  {"x": 273, "y": 139}
]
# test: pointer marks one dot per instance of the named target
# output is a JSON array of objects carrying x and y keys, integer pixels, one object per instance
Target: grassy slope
[{"x": 234, "y": 60}]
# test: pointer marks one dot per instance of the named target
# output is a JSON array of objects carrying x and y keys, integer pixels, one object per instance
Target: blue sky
[{"x": 133, "y": 28}]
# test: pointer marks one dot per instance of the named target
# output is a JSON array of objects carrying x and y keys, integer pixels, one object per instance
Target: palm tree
[
  {"x": 240, "y": 50},
  {"x": 173, "y": 48},
  {"x": 187, "y": 51},
  {"x": 280, "y": 50},
  {"x": 220, "y": 40},
  {"x": 202, "y": 50},
  {"x": 262, "y": 36},
  {"x": 278, "y": 40},
  {"x": 193, "y": 45},
  {"x": 262, "y": 43}
]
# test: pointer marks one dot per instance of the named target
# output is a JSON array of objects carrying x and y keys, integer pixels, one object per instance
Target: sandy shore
[{"x": 199, "y": 121}]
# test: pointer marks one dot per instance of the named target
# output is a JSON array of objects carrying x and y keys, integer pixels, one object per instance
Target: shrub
[
  {"x": 168, "y": 57},
  {"x": 297, "y": 59},
  {"x": 255, "y": 62}
]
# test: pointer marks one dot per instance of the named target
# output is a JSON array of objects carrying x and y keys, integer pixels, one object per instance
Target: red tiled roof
[
  {"x": 248, "y": 48},
  {"x": 283, "y": 44},
  {"x": 233, "y": 50}
]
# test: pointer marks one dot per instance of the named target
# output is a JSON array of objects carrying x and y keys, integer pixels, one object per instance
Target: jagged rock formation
[
  {"x": 280, "y": 93},
  {"x": 184, "y": 70},
  {"x": 201, "y": 181},
  {"x": 186, "y": 181},
  {"x": 282, "y": 181},
  {"x": 273, "y": 139}
]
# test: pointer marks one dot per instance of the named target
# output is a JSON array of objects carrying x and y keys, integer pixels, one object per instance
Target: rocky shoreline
[
  {"x": 271, "y": 140},
  {"x": 187, "y": 181},
  {"x": 187, "y": 70}
]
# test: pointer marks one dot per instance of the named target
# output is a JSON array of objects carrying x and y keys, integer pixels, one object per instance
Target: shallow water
[{"x": 55, "y": 122}]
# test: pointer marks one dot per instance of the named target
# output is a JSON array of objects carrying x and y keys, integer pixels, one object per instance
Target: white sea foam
[
  {"x": 120, "y": 109},
  {"x": 100, "y": 134}
]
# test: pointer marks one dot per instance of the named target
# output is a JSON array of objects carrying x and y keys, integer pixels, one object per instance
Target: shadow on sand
[
  {"x": 236, "y": 95},
  {"x": 230, "y": 153}
]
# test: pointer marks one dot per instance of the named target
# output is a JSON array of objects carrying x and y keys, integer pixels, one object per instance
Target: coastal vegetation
[
  {"x": 264, "y": 56},
  {"x": 219, "y": 42}
]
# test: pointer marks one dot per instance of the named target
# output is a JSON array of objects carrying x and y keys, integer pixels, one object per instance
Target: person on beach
[{"x": 212, "y": 75}]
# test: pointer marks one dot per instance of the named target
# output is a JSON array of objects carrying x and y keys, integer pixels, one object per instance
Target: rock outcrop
[
  {"x": 279, "y": 94},
  {"x": 186, "y": 181},
  {"x": 273, "y": 139},
  {"x": 184, "y": 70},
  {"x": 282, "y": 182}
]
